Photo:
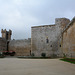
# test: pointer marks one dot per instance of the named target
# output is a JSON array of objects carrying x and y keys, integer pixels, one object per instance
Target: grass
[{"x": 68, "y": 60}]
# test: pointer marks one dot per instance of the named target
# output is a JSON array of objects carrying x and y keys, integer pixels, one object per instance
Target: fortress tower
[
  {"x": 61, "y": 23},
  {"x": 6, "y": 34}
]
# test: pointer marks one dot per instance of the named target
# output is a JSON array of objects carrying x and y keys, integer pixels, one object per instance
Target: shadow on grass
[{"x": 68, "y": 60}]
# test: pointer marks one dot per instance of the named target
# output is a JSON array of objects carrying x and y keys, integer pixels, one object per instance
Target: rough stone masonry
[
  {"x": 54, "y": 40},
  {"x": 47, "y": 38}
]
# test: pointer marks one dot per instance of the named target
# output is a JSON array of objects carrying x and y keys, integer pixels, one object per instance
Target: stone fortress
[
  {"x": 55, "y": 40},
  {"x": 47, "y": 38},
  {"x": 21, "y": 47}
]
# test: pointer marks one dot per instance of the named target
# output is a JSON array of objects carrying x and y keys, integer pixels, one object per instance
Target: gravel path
[{"x": 15, "y": 66}]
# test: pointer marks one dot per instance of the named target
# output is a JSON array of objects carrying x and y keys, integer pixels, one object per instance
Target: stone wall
[
  {"x": 60, "y": 25},
  {"x": 21, "y": 47},
  {"x": 3, "y": 44},
  {"x": 42, "y": 39},
  {"x": 47, "y": 39},
  {"x": 69, "y": 41}
]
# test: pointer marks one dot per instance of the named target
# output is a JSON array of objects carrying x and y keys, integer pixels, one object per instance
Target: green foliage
[
  {"x": 65, "y": 55},
  {"x": 33, "y": 57},
  {"x": 43, "y": 54},
  {"x": 69, "y": 60},
  {"x": 32, "y": 54}
]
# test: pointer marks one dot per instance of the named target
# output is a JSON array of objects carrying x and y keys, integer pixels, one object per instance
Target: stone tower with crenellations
[{"x": 6, "y": 34}]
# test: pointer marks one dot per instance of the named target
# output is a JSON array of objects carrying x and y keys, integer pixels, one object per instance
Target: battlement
[
  {"x": 10, "y": 32},
  {"x": 6, "y": 34},
  {"x": 3, "y": 31},
  {"x": 61, "y": 20}
]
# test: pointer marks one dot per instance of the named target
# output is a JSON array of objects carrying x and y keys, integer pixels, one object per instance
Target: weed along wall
[{"x": 21, "y": 47}]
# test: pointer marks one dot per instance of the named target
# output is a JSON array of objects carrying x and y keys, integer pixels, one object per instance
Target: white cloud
[
  {"x": 19, "y": 2},
  {"x": 20, "y": 15},
  {"x": 69, "y": 14}
]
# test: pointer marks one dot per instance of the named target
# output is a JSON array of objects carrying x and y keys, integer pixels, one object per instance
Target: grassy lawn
[{"x": 68, "y": 60}]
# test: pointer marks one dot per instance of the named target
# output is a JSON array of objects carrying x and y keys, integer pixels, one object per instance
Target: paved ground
[{"x": 15, "y": 66}]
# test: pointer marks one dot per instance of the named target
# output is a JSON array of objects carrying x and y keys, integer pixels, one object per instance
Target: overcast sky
[{"x": 21, "y": 15}]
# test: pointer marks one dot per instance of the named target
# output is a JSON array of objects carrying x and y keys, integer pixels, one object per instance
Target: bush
[
  {"x": 43, "y": 54},
  {"x": 32, "y": 54},
  {"x": 65, "y": 55}
]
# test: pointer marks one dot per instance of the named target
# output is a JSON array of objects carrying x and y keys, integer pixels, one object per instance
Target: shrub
[
  {"x": 43, "y": 54},
  {"x": 32, "y": 54},
  {"x": 65, "y": 55}
]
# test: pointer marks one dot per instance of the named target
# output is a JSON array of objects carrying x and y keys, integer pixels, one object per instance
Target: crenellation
[
  {"x": 6, "y": 34},
  {"x": 10, "y": 32}
]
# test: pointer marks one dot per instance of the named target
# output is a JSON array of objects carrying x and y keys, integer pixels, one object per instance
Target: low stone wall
[{"x": 21, "y": 47}]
